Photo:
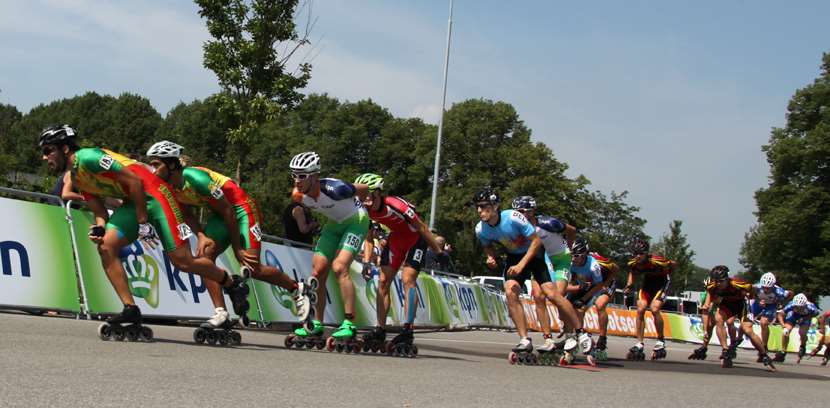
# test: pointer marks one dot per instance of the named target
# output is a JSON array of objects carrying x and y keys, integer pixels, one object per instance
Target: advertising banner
[{"x": 37, "y": 269}]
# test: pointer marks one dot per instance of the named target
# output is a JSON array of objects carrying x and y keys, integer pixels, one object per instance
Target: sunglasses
[
  {"x": 47, "y": 150},
  {"x": 483, "y": 205},
  {"x": 301, "y": 176}
]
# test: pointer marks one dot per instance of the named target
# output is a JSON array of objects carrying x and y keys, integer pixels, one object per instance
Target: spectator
[
  {"x": 299, "y": 225},
  {"x": 440, "y": 261}
]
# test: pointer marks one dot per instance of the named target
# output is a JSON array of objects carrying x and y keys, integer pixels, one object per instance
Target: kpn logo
[
  {"x": 142, "y": 273},
  {"x": 282, "y": 296}
]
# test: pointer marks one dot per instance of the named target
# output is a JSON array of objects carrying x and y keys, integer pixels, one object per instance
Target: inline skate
[
  {"x": 659, "y": 351},
  {"x": 636, "y": 353},
  {"x": 307, "y": 339},
  {"x": 125, "y": 325},
  {"x": 217, "y": 330},
  {"x": 375, "y": 340},
  {"x": 726, "y": 358},
  {"x": 344, "y": 339},
  {"x": 522, "y": 353},
  {"x": 699, "y": 353},
  {"x": 401, "y": 345}
]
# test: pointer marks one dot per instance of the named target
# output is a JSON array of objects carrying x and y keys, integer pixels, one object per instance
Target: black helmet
[
  {"x": 580, "y": 246},
  {"x": 524, "y": 203},
  {"x": 640, "y": 247},
  {"x": 719, "y": 272},
  {"x": 57, "y": 134},
  {"x": 486, "y": 195}
]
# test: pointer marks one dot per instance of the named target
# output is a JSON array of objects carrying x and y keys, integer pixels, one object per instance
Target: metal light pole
[{"x": 440, "y": 125}]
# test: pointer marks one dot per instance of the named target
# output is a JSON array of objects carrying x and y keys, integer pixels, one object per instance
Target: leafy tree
[
  {"x": 792, "y": 237},
  {"x": 675, "y": 247},
  {"x": 255, "y": 81},
  {"x": 611, "y": 224},
  {"x": 9, "y": 115}
]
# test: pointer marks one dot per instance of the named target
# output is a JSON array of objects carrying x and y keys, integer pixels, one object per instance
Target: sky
[{"x": 670, "y": 101}]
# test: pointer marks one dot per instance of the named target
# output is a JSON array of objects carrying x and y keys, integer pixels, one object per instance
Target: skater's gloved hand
[
  {"x": 367, "y": 271},
  {"x": 578, "y": 304},
  {"x": 147, "y": 235},
  {"x": 514, "y": 270},
  {"x": 96, "y": 233}
]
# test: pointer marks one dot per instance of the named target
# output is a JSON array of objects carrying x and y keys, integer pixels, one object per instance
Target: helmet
[
  {"x": 524, "y": 203},
  {"x": 486, "y": 195},
  {"x": 308, "y": 162},
  {"x": 56, "y": 134},
  {"x": 768, "y": 280},
  {"x": 372, "y": 180},
  {"x": 580, "y": 246},
  {"x": 719, "y": 272},
  {"x": 164, "y": 150},
  {"x": 640, "y": 247},
  {"x": 800, "y": 300}
]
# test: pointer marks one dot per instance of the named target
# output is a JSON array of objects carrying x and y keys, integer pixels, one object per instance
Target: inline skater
[
  {"x": 656, "y": 271},
  {"x": 556, "y": 237},
  {"x": 799, "y": 312},
  {"x": 524, "y": 259},
  {"x": 347, "y": 223},
  {"x": 149, "y": 213},
  {"x": 407, "y": 244},
  {"x": 769, "y": 298},
  {"x": 823, "y": 338},
  {"x": 728, "y": 296},
  {"x": 594, "y": 283},
  {"x": 232, "y": 209}
]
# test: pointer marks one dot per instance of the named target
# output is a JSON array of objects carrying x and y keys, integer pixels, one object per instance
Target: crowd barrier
[{"x": 46, "y": 262}]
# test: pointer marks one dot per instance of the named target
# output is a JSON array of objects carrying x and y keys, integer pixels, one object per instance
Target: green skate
[
  {"x": 344, "y": 339},
  {"x": 302, "y": 338}
]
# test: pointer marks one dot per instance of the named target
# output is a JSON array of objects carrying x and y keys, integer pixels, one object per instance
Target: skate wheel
[
  {"x": 105, "y": 331},
  {"x": 330, "y": 344},
  {"x": 312, "y": 299},
  {"x": 223, "y": 339},
  {"x": 591, "y": 361},
  {"x": 563, "y": 361},
  {"x": 532, "y": 359},
  {"x": 339, "y": 348},
  {"x": 199, "y": 335},
  {"x": 389, "y": 348},
  {"x": 289, "y": 341},
  {"x": 132, "y": 334},
  {"x": 414, "y": 350},
  {"x": 211, "y": 338},
  {"x": 236, "y": 338},
  {"x": 146, "y": 334},
  {"x": 512, "y": 358},
  {"x": 119, "y": 333},
  {"x": 313, "y": 283}
]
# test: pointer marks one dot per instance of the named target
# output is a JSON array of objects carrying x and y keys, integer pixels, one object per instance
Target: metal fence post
[{"x": 80, "y": 274}]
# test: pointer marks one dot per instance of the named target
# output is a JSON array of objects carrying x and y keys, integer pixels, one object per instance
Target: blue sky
[{"x": 668, "y": 100}]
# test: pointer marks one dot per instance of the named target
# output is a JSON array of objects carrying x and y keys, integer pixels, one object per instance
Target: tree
[
  {"x": 675, "y": 247},
  {"x": 792, "y": 236},
  {"x": 611, "y": 224},
  {"x": 9, "y": 115},
  {"x": 253, "y": 75}
]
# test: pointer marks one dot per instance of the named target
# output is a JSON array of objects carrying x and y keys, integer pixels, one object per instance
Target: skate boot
[
  {"x": 780, "y": 356},
  {"x": 401, "y": 345},
  {"x": 760, "y": 358},
  {"x": 826, "y": 356},
  {"x": 733, "y": 350},
  {"x": 343, "y": 339},
  {"x": 699, "y": 353},
  {"x": 375, "y": 340},
  {"x": 768, "y": 363},
  {"x": 583, "y": 342},
  {"x": 801, "y": 352},
  {"x": 303, "y": 338},
  {"x": 125, "y": 325},
  {"x": 217, "y": 330},
  {"x": 238, "y": 292},
  {"x": 636, "y": 353},
  {"x": 547, "y": 351},
  {"x": 522, "y": 353},
  {"x": 305, "y": 301},
  {"x": 726, "y": 358},
  {"x": 599, "y": 350},
  {"x": 659, "y": 351}
]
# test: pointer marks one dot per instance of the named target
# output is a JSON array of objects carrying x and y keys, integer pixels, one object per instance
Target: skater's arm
[
  {"x": 428, "y": 236},
  {"x": 303, "y": 224},
  {"x": 369, "y": 246},
  {"x": 570, "y": 234},
  {"x": 68, "y": 191},
  {"x": 226, "y": 211},
  {"x": 95, "y": 205},
  {"x": 135, "y": 192},
  {"x": 491, "y": 256},
  {"x": 535, "y": 243}
]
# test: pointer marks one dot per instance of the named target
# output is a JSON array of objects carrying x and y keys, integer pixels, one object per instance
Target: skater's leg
[
  {"x": 410, "y": 281},
  {"x": 641, "y": 319},
  {"x": 320, "y": 271},
  {"x": 512, "y": 289},
  {"x": 108, "y": 249},
  {"x": 602, "y": 314},
  {"x": 708, "y": 326},
  {"x": 746, "y": 327},
  {"x": 720, "y": 329},
  {"x": 566, "y": 310},
  {"x": 785, "y": 336},
  {"x": 340, "y": 267},
  {"x": 656, "y": 306},
  {"x": 184, "y": 261},
  {"x": 540, "y": 302},
  {"x": 387, "y": 276},
  {"x": 764, "y": 322}
]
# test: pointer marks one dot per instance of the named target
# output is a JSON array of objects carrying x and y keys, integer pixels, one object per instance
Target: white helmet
[
  {"x": 800, "y": 300},
  {"x": 165, "y": 149},
  {"x": 308, "y": 162},
  {"x": 768, "y": 280}
]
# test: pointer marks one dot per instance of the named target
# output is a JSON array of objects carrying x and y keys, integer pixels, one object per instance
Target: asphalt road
[{"x": 49, "y": 361}]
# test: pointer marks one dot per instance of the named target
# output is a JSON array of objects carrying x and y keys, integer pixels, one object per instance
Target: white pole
[{"x": 432, "y": 208}]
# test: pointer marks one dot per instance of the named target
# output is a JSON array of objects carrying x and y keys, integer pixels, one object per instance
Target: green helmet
[{"x": 372, "y": 180}]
